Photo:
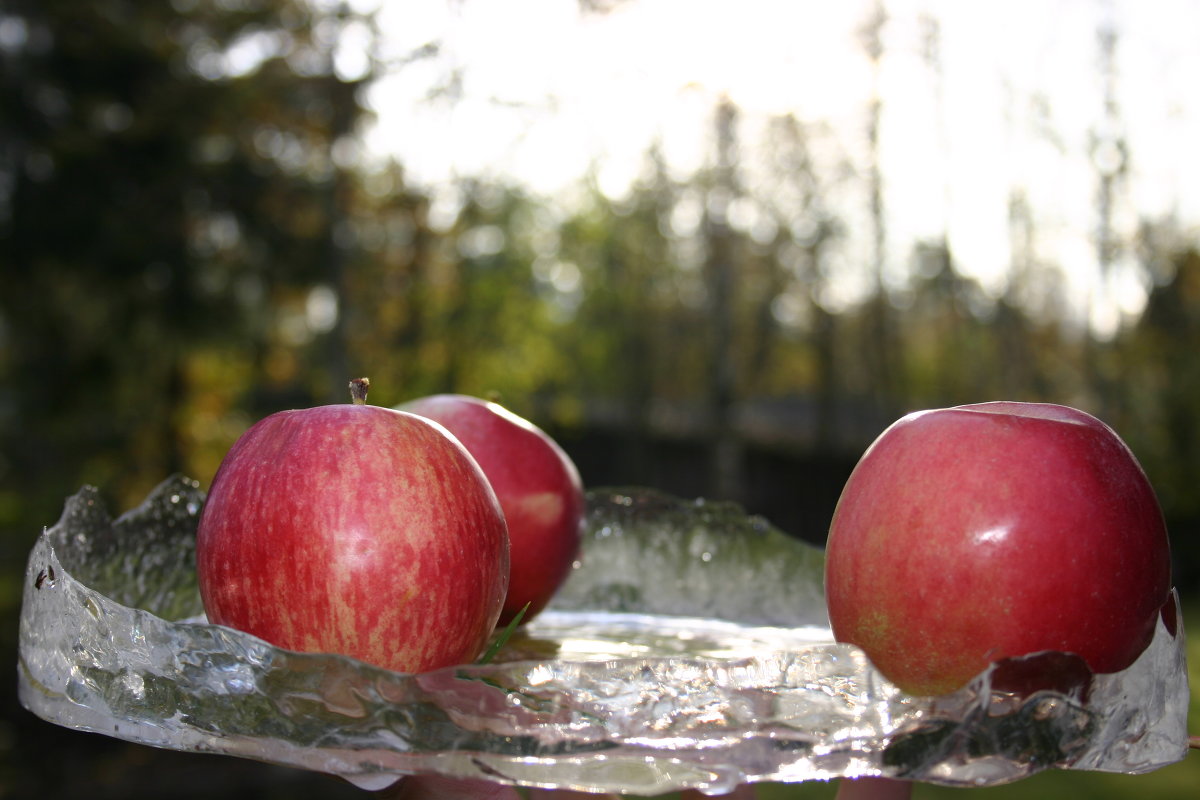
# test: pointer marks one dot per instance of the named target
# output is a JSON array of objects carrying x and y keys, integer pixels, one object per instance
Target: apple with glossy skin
[
  {"x": 539, "y": 489},
  {"x": 984, "y": 532},
  {"x": 357, "y": 530}
]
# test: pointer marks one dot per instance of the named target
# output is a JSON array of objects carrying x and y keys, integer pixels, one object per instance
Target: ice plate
[{"x": 688, "y": 649}]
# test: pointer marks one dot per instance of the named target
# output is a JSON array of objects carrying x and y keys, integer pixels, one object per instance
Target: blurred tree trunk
[
  {"x": 1109, "y": 160},
  {"x": 413, "y": 287},
  {"x": 337, "y": 239},
  {"x": 1020, "y": 367},
  {"x": 809, "y": 229},
  {"x": 882, "y": 346},
  {"x": 725, "y": 443},
  {"x": 634, "y": 367}
]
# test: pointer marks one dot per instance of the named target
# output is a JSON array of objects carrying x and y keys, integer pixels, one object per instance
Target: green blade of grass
[{"x": 503, "y": 638}]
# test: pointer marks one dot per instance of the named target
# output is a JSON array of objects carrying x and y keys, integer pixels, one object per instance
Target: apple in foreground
[
  {"x": 993, "y": 531},
  {"x": 538, "y": 486},
  {"x": 357, "y": 530}
]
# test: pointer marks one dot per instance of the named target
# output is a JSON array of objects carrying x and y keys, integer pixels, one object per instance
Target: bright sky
[{"x": 548, "y": 92}]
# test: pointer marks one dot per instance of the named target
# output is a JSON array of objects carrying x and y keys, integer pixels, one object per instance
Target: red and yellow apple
[
  {"x": 357, "y": 530},
  {"x": 538, "y": 486},
  {"x": 984, "y": 532}
]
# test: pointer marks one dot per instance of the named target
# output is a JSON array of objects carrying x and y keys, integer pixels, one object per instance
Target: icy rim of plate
[{"x": 689, "y": 649}]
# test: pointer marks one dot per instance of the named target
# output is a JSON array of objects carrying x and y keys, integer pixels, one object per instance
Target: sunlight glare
[{"x": 1007, "y": 100}]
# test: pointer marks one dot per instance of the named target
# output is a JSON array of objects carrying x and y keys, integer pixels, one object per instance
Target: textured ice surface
[{"x": 688, "y": 649}]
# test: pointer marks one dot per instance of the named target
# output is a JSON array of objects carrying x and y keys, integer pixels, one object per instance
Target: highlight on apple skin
[
  {"x": 992, "y": 531},
  {"x": 538, "y": 485},
  {"x": 357, "y": 530}
]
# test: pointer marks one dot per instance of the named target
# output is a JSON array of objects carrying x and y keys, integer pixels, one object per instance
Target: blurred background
[{"x": 713, "y": 248}]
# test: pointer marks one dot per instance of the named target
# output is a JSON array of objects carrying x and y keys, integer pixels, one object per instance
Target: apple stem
[{"x": 358, "y": 391}]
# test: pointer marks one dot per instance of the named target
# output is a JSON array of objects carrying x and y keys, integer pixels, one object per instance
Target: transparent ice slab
[{"x": 688, "y": 649}]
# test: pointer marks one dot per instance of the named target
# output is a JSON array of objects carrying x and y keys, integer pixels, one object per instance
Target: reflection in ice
[{"x": 689, "y": 649}]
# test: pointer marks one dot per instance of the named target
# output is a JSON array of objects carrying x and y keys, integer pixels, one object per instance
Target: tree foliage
[
  {"x": 189, "y": 242},
  {"x": 169, "y": 172}
]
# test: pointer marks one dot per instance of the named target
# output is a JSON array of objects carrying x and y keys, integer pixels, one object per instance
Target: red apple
[
  {"x": 984, "y": 532},
  {"x": 357, "y": 530},
  {"x": 538, "y": 486}
]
